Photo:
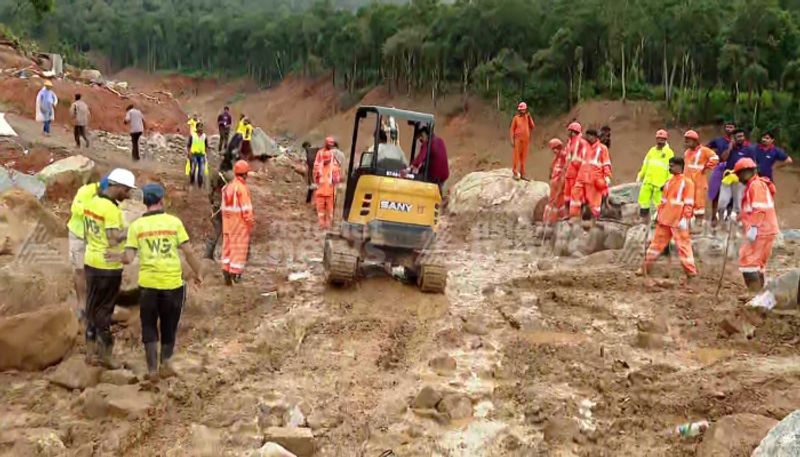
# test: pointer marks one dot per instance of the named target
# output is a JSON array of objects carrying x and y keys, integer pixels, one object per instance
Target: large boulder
[
  {"x": 263, "y": 144},
  {"x": 633, "y": 249},
  {"x": 63, "y": 177},
  {"x": 36, "y": 340},
  {"x": 11, "y": 179},
  {"x": 92, "y": 75},
  {"x": 735, "y": 435},
  {"x": 782, "y": 292},
  {"x": 496, "y": 192},
  {"x": 783, "y": 440},
  {"x": 32, "y": 281},
  {"x": 624, "y": 194}
]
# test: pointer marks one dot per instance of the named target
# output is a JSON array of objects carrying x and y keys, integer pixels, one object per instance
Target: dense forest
[{"x": 705, "y": 59}]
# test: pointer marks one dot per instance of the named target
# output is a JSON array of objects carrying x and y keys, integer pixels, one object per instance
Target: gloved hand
[
  {"x": 752, "y": 234},
  {"x": 733, "y": 215},
  {"x": 608, "y": 181},
  {"x": 683, "y": 224},
  {"x": 313, "y": 187}
]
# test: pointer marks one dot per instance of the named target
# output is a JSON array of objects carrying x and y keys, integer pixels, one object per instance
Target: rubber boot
[
  {"x": 107, "y": 359},
  {"x": 228, "y": 278},
  {"x": 91, "y": 353},
  {"x": 752, "y": 281},
  {"x": 236, "y": 278},
  {"x": 167, "y": 370},
  {"x": 761, "y": 281},
  {"x": 151, "y": 356}
]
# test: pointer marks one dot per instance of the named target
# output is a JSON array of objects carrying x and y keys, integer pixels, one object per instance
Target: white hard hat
[{"x": 122, "y": 177}]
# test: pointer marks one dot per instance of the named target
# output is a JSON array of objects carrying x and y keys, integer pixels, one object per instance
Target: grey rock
[
  {"x": 299, "y": 441},
  {"x": 74, "y": 373},
  {"x": 427, "y": 398},
  {"x": 443, "y": 364},
  {"x": 783, "y": 440},
  {"x": 456, "y": 406}
]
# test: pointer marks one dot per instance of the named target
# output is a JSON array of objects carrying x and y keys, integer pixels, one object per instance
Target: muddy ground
[{"x": 533, "y": 355}]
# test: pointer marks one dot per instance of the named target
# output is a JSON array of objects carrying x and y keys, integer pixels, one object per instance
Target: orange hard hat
[
  {"x": 691, "y": 134},
  {"x": 555, "y": 143},
  {"x": 241, "y": 167},
  {"x": 522, "y": 106},
  {"x": 329, "y": 141},
  {"x": 575, "y": 127},
  {"x": 662, "y": 134},
  {"x": 744, "y": 164}
]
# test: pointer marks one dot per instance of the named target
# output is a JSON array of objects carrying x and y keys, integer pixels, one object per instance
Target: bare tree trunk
[{"x": 624, "y": 88}]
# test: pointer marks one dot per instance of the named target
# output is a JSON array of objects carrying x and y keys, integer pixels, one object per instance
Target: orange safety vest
[
  {"x": 758, "y": 206},
  {"x": 697, "y": 162},
  {"x": 596, "y": 163},
  {"x": 237, "y": 207},
  {"x": 521, "y": 127},
  {"x": 677, "y": 201},
  {"x": 576, "y": 150},
  {"x": 559, "y": 165},
  {"x": 326, "y": 178}
]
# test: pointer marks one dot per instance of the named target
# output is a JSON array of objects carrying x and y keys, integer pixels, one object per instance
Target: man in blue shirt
[
  {"x": 732, "y": 190},
  {"x": 767, "y": 154}
]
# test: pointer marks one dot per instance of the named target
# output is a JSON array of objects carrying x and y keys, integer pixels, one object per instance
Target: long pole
[{"x": 725, "y": 259}]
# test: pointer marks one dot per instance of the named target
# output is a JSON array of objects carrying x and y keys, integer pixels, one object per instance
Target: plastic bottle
[{"x": 691, "y": 429}]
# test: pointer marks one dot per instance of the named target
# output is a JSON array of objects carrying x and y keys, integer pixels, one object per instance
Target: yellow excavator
[{"x": 390, "y": 215}]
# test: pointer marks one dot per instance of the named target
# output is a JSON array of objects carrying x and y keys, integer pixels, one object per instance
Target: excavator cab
[{"x": 389, "y": 214}]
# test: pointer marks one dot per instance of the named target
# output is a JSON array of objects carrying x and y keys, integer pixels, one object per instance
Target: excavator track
[
  {"x": 341, "y": 265},
  {"x": 432, "y": 278}
]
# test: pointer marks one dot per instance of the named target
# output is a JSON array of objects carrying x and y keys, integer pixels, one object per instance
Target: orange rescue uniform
[
  {"x": 576, "y": 150},
  {"x": 758, "y": 210},
  {"x": 672, "y": 222},
  {"x": 591, "y": 185},
  {"x": 556, "y": 207},
  {"x": 699, "y": 161},
  {"x": 326, "y": 176},
  {"x": 521, "y": 129},
  {"x": 237, "y": 224}
]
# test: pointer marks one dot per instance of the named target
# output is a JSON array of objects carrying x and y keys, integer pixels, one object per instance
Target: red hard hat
[
  {"x": 662, "y": 134},
  {"x": 555, "y": 143},
  {"x": 329, "y": 141},
  {"x": 692, "y": 135},
  {"x": 744, "y": 164},
  {"x": 575, "y": 127},
  {"x": 522, "y": 106},
  {"x": 241, "y": 167}
]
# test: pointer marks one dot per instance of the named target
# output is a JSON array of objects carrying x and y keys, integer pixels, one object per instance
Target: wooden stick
[{"x": 724, "y": 259}]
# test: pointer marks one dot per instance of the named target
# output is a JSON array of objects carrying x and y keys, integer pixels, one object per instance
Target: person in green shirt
[
  {"x": 75, "y": 237},
  {"x": 104, "y": 234},
  {"x": 157, "y": 237},
  {"x": 654, "y": 174}
]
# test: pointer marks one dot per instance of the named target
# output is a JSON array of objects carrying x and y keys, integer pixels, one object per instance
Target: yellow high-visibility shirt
[
  {"x": 192, "y": 126},
  {"x": 101, "y": 214},
  {"x": 82, "y": 197},
  {"x": 157, "y": 236},
  {"x": 240, "y": 127},
  {"x": 248, "y": 133}
]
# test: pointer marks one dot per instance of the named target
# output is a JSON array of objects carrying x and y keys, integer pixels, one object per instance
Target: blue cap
[
  {"x": 104, "y": 183},
  {"x": 152, "y": 193}
]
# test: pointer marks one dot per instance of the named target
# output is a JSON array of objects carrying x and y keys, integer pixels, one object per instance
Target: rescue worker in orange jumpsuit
[
  {"x": 576, "y": 148},
  {"x": 700, "y": 161},
  {"x": 759, "y": 221},
  {"x": 521, "y": 129},
  {"x": 237, "y": 223},
  {"x": 594, "y": 178},
  {"x": 672, "y": 221},
  {"x": 555, "y": 208},
  {"x": 326, "y": 177}
]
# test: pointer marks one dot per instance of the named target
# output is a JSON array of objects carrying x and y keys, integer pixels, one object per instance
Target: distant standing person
[
  {"x": 311, "y": 157},
  {"x": 224, "y": 121},
  {"x": 196, "y": 151},
  {"x": 768, "y": 154},
  {"x": 439, "y": 167},
  {"x": 246, "y": 151},
  {"x": 46, "y": 102},
  {"x": 520, "y": 131},
  {"x": 135, "y": 120},
  {"x": 218, "y": 181},
  {"x": 80, "y": 116}
]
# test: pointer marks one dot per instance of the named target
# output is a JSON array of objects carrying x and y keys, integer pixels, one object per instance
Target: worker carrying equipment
[
  {"x": 700, "y": 161},
  {"x": 521, "y": 129},
  {"x": 760, "y": 223},
  {"x": 555, "y": 208},
  {"x": 654, "y": 173},
  {"x": 326, "y": 177},
  {"x": 672, "y": 222},
  {"x": 594, "y": 178},
  {"x": 238, "y": 221},
  {"x": 576, "y": 148}
]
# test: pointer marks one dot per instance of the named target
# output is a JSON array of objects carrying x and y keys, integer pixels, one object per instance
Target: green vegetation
[{"x": 705, "y": 59}]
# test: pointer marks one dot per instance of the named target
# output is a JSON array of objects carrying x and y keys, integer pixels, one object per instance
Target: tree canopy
[{"x": 552, "y": 53}]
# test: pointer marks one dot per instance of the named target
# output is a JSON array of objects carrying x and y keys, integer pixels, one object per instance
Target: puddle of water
[{"x": 547, "y": 337}]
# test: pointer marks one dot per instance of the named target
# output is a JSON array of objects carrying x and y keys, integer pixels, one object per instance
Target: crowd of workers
[{"x": 732, "y": 176}]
